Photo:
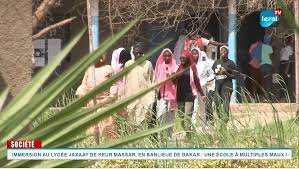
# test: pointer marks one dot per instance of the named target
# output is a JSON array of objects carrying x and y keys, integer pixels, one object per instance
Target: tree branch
[
  {"x": 54, "y": 26},
  {"x": 41, "y": 12},
  {"x": 110, "y": 20}
]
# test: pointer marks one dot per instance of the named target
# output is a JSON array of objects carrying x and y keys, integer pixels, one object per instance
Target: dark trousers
[
  {"x": 208, "y": 106},
  {"x": 185, "y": 110},
  {"x": 256, "y": 80},
  {"x": 282, "y": 72},
  {"x": 266, "y": 70},
  {"x": 222, "y": 99}
]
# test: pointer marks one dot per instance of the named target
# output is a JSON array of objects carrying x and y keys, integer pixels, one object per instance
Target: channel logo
[{"x": 270, "y": 17}]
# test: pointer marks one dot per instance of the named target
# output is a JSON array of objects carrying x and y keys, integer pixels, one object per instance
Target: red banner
[{"x": 24, "y": 144}]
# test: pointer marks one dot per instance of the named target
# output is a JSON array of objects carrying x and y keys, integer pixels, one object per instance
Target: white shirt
[
  {"x": 204, "y": 69},
  {"x": 286, "y": 52}
]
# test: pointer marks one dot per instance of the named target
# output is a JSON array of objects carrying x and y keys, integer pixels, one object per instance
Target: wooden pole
[{"x": 93, "y": 31}]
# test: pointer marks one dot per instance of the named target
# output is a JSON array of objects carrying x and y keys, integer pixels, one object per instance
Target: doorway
[{"x": 249, "y": 32}]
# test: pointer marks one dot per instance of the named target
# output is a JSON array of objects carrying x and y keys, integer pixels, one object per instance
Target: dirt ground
[{"x": 263, "y": 113}]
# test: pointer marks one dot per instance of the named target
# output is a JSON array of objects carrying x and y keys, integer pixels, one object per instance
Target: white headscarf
[
  {"x": 115, "y": 58},
  {"x": 204, "y": 67},
  {"x": 199, "y": 54},
  {"x": 226, "y": 47}
]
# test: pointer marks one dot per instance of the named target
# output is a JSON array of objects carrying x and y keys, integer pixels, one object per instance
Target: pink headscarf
[
  {"x": 168, "y": 89},
  {"x": 188, "y": 55},
  {"x": 160, "y": 69}
]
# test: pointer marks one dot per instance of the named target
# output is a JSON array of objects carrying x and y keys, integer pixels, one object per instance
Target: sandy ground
[
  {"x": 248, "y": 115},
  {"x": 263, "y": 113}
]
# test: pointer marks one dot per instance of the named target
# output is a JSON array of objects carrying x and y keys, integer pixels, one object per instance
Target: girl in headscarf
[
  {"x": 102, "y": 72},
  {"x": 206, "y": 76},
  {"x": 115, "y": 58},
  {"x": 165, "y": 67},
  {"x": 188, "y": 86},
  {"x": 124, "y": 56}
]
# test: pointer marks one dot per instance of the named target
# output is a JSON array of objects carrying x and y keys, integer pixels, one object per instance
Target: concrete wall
[{"x": 15, "y": 44}]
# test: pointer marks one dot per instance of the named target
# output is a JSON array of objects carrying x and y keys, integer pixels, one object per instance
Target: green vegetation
[
  {"x": 63, "y": 128},
  {"x": 30, "y": 116}
]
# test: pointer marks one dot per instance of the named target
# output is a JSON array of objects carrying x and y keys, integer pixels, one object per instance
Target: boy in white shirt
[{"x": 284, "y": 67}]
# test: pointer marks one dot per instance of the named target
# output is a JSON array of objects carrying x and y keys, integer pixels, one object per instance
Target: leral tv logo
[{"x": 270, "y": 17}]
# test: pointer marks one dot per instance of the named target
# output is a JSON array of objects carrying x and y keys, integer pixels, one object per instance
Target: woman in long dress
[
  {"x": 102, "y": 72},
  {"x": 206, "y": 76},
  {"x": 141, "y": 77},
  {"x": 188, "y": 87},
  {"x": 166, "y": 104}
]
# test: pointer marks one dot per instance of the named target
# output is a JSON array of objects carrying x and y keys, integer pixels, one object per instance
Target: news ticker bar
[{"x": 150, "y": 154}]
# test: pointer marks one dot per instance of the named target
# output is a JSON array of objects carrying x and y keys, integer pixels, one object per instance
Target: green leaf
[
  {"x": 45, "y": 98},
  {"x": 70, "y": 163},
  {"x": 25, "y": 95},
  {"x": 41, "y": 101},
  {"x": 71, "y": 130},
  {"x": 72, "y": 73},
  {"x": 51, "y": 163},
  {"x": 63, "y": 127},
  {"x": 80, "y": 126},
  {"x": 71, "y": 142},
  {"x": 116, "y": 143},
  {"x": 70, "y": 112},
  {"x": 130, "y": 139},
  {"x": 287, "y": 14},
  {"x": 38, "y": 163},
  {"x": 65, "y": 164}
]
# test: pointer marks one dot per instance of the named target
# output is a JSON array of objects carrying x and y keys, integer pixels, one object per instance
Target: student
[
  {"x": 166, "y": 104},
  {"x": 206, "y": 76},
  {"x": 141, "y": 77},
  {"x": 266, "y": 66},
  {"x": 284, "y": 67},
  {"x": 224, "y": 70},
  {"x": 255, "y": 52},
  {"x": 188, "y": 86},
  {"x": 194, "y": 40},
  {"x": 102, "y": 72},
  {"x": 124, "y": 56}
]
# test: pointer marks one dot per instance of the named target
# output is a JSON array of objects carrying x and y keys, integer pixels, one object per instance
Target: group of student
[
  {"x": 261, "y": 65},
  {"x": 190, "y": 88}
]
